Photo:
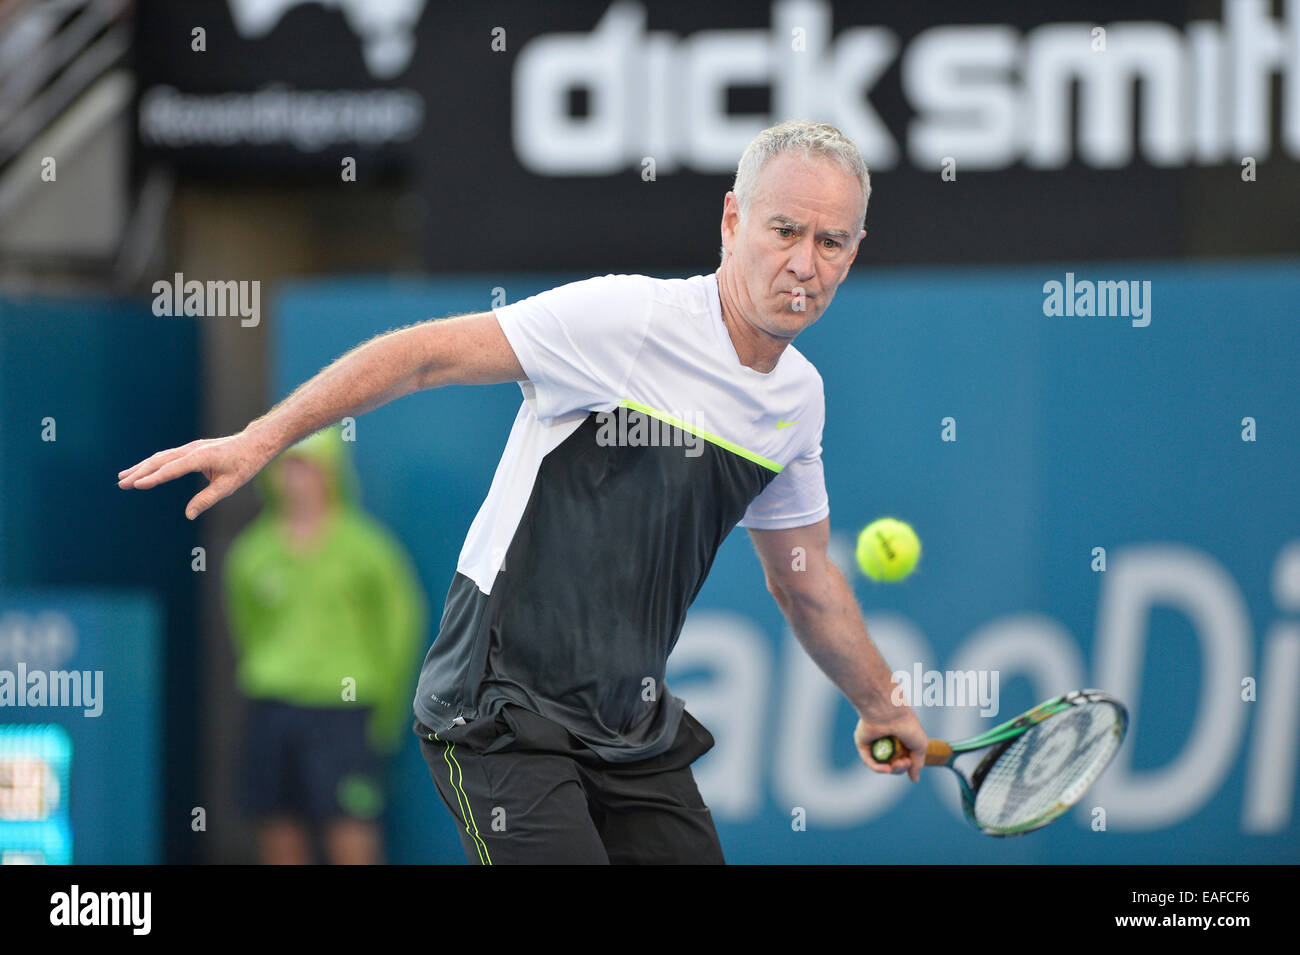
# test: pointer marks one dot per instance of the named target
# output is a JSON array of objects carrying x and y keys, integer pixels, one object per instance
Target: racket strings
[{"x": 1048, "y": 768}]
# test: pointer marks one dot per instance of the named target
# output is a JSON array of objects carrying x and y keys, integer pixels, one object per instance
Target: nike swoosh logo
[{"x": 785, "y": 424}]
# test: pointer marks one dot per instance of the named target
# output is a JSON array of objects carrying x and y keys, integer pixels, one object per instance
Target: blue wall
[
  {"x": 1071, "y": 434},
  {"x": 118, "y": 383}
]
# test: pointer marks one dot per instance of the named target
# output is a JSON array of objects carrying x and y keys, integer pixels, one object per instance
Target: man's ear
[{"x": 730, "y": 219}]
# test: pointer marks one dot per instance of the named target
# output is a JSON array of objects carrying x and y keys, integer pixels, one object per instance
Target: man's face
[
  {"x": 305, "y": 486},
  {"x": 801, "y": 232}
]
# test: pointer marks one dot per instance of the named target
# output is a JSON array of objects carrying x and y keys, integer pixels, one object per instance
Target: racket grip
[{"x": 889, "y": 748}]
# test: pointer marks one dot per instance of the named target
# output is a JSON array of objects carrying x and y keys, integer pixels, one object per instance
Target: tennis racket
[{"x": 1037, "y": 766}]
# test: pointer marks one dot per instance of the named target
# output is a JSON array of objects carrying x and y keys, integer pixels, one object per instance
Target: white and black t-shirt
[{"x": 640, "y": 443}]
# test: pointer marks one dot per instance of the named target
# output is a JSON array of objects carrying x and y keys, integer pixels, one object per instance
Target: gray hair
[{"x": 811, "y": 140}]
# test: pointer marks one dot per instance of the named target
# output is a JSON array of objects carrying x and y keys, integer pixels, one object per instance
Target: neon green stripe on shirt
[{"x": 711, "y": 438}]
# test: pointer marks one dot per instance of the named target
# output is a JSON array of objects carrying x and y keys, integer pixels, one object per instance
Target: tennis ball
[{"x": 888, "y": 549}]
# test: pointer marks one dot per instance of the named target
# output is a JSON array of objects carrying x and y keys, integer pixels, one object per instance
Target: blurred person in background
[{"x": 328, "y": 618}]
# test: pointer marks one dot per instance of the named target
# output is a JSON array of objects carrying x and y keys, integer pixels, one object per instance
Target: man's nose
[{"x": 801, "y": 260}]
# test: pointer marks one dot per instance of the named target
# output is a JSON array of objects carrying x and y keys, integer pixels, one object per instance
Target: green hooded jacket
[{"x": 342, "y": 625}]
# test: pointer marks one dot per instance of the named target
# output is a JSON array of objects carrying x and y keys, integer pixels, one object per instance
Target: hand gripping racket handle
[{"x": 889, "y": 748}]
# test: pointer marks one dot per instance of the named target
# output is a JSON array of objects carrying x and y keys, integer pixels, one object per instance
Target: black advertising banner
[
  {"x": 276, "y": 88},
  {"x": 602, "y": 136}
]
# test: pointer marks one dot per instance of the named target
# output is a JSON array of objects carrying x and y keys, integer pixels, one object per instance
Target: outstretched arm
[
  {"x": 469, "y": 350},
  {"x": 818, "y": 602}
]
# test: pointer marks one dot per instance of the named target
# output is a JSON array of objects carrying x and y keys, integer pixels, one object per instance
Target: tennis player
[{"x": 657, "y": 415}]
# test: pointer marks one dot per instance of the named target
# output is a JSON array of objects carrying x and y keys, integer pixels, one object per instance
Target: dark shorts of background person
[
  {"x": 522, "y": 789},
  {"x": 310, "y": 763}
]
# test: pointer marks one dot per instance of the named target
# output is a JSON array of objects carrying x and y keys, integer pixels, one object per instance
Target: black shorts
[
  {"x": 309, "y": 762},
  {"x": 524, "y": 790}
]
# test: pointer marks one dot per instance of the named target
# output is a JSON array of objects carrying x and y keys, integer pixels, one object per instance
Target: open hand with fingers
[{"x": 228, "y": 463}]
